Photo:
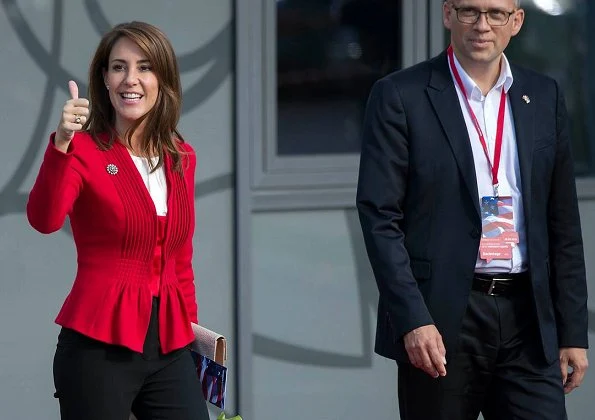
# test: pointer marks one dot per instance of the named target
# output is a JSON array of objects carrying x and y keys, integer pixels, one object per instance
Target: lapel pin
[
  {"x": 112, "y": 169},
  {"x": 526, "y": 99}
]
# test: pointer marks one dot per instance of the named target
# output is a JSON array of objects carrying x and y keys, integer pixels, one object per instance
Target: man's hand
[
  {"x": 576, "y": 358},
  {"x": 426, "y": 350}
]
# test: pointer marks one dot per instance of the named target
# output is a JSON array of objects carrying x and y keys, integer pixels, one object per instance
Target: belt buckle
[{"x": 492, "y": 285}]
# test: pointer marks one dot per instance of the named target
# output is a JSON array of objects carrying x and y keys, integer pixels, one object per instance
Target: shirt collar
[{"x": 505, "y": 79}]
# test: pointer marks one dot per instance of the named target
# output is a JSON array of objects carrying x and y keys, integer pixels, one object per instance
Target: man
[{"x": 468, "y": 206}]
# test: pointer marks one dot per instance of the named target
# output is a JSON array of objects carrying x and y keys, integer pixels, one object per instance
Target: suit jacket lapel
[
  {"x": 523, "y": 113},
  {"x": 444, "y": 99}
]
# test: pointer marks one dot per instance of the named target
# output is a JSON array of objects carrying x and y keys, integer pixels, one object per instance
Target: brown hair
[{"x": 160, "y": 133}]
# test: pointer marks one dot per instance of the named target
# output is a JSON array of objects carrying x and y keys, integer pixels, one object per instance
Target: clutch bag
[
  {"x": 209, "y": 352},
  {"x": 209, "y": 344}
]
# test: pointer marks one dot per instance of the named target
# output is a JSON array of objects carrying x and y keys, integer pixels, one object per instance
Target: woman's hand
[{"x": 74, "y": 115}]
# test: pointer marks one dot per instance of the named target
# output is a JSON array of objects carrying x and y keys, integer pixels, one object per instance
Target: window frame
[{"x": 298, "y": 182}]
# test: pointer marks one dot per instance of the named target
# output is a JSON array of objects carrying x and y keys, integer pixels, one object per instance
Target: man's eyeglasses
[{"x": 470, "y": 15}]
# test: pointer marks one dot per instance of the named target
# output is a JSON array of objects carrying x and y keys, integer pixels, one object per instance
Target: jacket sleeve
[
  {"x": 567, "y": 267},
  {"x": 381, "y": 191},
  {"x": 184, "y": 269},
  {"x": 58, "y": 184}
]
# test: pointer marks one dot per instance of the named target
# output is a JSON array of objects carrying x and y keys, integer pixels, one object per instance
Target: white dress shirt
[
  {"x": 155, "y": 182},
  {"x": 509, "y": 176}
]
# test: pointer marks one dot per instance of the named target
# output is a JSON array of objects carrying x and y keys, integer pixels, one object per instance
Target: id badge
[{"x": 498, "y": 236}]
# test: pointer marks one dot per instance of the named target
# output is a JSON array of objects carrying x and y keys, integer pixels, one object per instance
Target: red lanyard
[{"x": 500, "y": 126}]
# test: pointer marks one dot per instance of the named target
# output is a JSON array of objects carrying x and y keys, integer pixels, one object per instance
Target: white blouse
[{"x": 155, "y": 182}]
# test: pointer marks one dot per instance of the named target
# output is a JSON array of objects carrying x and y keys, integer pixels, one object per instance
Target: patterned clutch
[{"x": 209, "y": 351}]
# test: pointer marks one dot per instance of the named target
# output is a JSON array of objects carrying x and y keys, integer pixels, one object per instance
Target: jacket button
[{"x": 475, "y": 233}]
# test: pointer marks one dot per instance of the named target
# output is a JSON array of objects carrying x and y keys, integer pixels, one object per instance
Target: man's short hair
[{"x": 517, "y": 3}]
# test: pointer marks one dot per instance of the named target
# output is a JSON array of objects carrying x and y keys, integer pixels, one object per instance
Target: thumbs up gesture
[{"x": 74, "y": 115}]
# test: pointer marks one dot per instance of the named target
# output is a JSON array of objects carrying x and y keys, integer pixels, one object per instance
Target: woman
[{"x": 125, "y": 177}]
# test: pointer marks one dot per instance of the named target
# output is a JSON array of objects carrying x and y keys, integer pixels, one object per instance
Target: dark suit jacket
[{"x": 419, "y": 207}]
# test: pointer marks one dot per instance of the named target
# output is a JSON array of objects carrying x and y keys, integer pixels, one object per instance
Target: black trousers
[
  {"x": 98, "y": 381},
  {"x": 499, "y": 369}
]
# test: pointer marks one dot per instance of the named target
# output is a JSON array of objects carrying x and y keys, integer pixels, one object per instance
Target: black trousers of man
[{"x": 499, "y": 369}]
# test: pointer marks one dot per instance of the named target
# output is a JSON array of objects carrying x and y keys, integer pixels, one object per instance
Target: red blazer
[{"x": 114, "y": 225}]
